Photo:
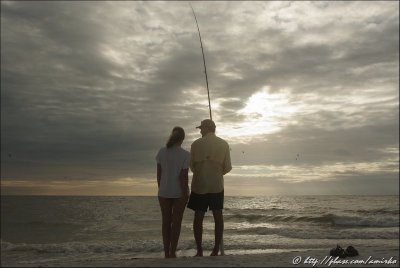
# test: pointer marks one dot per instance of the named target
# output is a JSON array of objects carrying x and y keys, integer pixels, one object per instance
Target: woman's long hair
[{"x": 177, "y": 136}]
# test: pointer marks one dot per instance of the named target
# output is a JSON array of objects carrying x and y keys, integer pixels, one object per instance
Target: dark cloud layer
[{"x": 91, "y": 90}]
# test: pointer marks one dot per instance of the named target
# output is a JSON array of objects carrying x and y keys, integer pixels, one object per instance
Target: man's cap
[{"x": 207, "y": 123}]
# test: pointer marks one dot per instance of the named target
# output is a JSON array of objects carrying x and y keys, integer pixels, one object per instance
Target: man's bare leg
[
  {"x": 219, "y": 229},
  {"x": 198, "y": 231}
]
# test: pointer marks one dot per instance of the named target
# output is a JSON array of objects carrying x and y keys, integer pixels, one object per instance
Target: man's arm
[
  {"x": 227, "y": 161},
  {"x": 191, "y": 158}
]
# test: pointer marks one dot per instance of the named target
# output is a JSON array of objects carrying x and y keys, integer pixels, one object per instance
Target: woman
[{"x": 173, "y": 188}]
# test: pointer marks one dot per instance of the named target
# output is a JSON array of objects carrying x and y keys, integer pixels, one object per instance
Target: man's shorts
[{"x": 213, "y": 201}]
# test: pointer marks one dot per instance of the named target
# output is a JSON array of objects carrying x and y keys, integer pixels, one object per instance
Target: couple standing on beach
[{"x": 209, "y": 159}]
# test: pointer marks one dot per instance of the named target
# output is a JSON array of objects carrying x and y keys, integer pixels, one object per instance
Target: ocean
[{"x": 40, "y": 229}]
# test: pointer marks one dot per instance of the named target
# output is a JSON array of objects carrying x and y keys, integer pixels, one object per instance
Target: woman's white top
[{"x": 172, "y": 161}]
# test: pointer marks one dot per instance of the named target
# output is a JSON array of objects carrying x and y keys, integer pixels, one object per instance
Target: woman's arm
[
  {"x": 184, "y": 178},
  {"x": 158, "y": 174}
]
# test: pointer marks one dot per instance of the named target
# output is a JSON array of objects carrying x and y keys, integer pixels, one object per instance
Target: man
[{"x": 209, "y": 161}]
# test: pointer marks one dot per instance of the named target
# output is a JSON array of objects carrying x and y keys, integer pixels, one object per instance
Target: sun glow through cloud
[{"x": 264, "y": 113}]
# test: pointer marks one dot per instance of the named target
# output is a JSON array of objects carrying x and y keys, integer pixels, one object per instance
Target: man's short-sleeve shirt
[{"x": 209, "y": 161}]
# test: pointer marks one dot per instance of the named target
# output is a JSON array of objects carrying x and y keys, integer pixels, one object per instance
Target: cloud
[
  {"x": 121, "y": 186},
  {"x": 91, "y": 90},
  {"x": 367, "y": 185}
]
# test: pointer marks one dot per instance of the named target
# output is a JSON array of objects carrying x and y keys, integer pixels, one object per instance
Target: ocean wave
[
  {"x": 355, "y": 221},
  {"x": 253, "y": 210},
  {"x": 330, "y": 219},
  {"x": 313, "y": 233},
  {"x": 44, "y": 223},
  {"x": 86, "y": 247},
  {"x": 384, "y": 211},
  {"x": 252, "y": 218}
]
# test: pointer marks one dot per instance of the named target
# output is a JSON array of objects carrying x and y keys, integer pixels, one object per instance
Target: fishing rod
[{"x": 204, "y": 61}]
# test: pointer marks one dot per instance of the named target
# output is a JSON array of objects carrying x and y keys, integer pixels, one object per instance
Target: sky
[{"x": 305, "y": 93}]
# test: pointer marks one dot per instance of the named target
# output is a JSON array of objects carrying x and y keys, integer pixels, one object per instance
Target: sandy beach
[{"x": 310, "y": 258}]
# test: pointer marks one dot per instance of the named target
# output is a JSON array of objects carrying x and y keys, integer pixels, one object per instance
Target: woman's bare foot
[
  {"x": 214, "y": 253},
  {"x": 199, "y": 254}
]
